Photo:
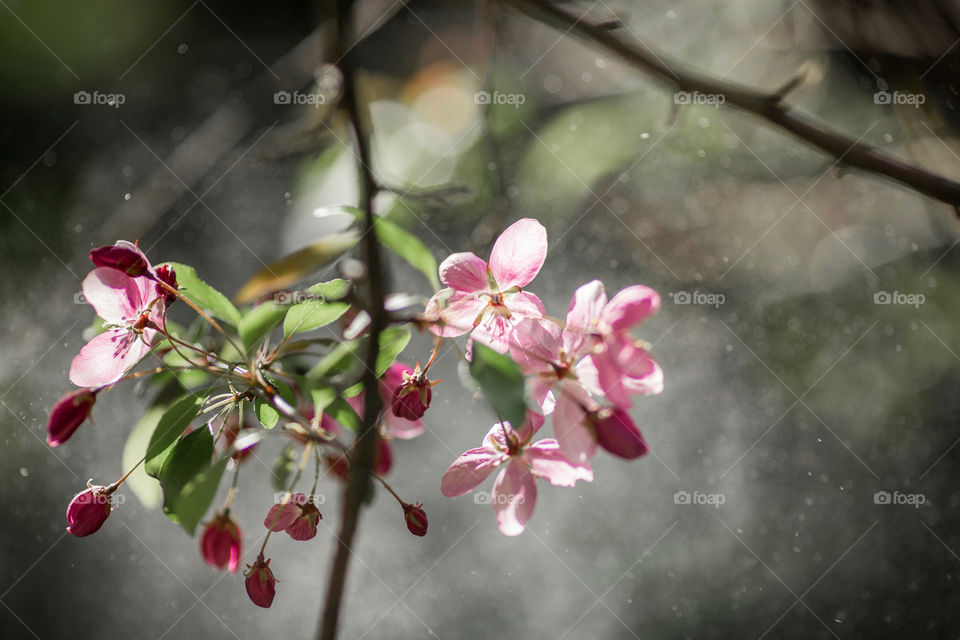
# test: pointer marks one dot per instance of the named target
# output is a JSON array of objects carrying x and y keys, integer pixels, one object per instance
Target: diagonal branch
[{"x": 769, "y": 106}]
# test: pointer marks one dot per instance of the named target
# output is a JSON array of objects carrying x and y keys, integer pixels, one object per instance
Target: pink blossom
[
  {"x": 537, "y": 348},
  {"x": 222, "y": 543},
  {"x": 68, "y": 414},
  {"x": 393, "y": 425},
  {"x": 88, "y": 510},
  {"x": 617, "y": 433},
  {"x": 131, "y": 308},
  {"x": 260, "y": 583},
  {"x": 621, "y": 366},
  {"x": 486, "y": 299},
  {"x": 514, "y": 491}
]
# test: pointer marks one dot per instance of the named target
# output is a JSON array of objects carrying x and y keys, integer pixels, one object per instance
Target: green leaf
[
  {"x": 283, "y": 467},
  {"x": 501, "y": 382},
  {"x": 336, "y": 289},
  {"x": 203, "y": 295},
  {"x": 296, "y": 266},
  {"x": 393, "y": 340},
  {"x": 189, "y": 480},
  {"x": 144, "y": 487},
  {"x": 312, "y": 314},
  {"x": 258, "y": 322},
  {"x": 322, "y": 396},
  {"x": 267, "y": 415},
  {"x": 341, "y": 359},
  {"x": 406, "y": 245},
  {"x": 171, "y": 426},
  {"x": 341, "y": 411}
]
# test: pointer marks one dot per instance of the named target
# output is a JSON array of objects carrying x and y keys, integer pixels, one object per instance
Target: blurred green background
[{"x": 797, "y": 398}]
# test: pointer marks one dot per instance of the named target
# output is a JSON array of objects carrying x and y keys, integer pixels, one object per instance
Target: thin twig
[
  {"x": 364, "y": 448},
  {"x": 769, "y": 106}
]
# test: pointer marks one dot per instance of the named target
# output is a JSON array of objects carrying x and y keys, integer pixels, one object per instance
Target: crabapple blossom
[
  {"x": 514, "y": 491},
  {"x": 537, "y": 347},
  {"x": 297, "y": 516},
  {"x": 68, "y": 414},
  {"x": 600, "y": 329},
  {"x": 131, "y": 310},
  {"x": 222, "y": 543},
  {"x": 88, "y": 510},
  {"x": 486, "y": 299}
]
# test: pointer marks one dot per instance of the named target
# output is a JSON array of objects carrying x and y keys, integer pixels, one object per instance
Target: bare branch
[{"x": 769, "y": 106}]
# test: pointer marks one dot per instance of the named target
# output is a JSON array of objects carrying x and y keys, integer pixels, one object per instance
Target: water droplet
[
  {"x": 126, "y": 196},
  {"x": 182, "y": 49},
  {"x": 24, "y": 472}
]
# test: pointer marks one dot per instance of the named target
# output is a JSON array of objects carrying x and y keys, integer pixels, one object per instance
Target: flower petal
[
  {"x": 467, "y": 471},
  {"x": 106, "y": 358},
  {"x": 494, "y": 331},
  {"x": 630, "y": 307},
  {"x": 518, "y": 254},
  {"x": 577, "y": 444},
  {"x": 618, "y": 434},
  {"x": 114, "y": 295},
  {"x": 524, "y": 305},
  {"x": 583, "y": 315},
  {"x": 464, "y": 272},
  {"x": 459, "y": 316},
  {"x": 534, "y": 344},
  {"x": 281, "y": 515},
  {"x": 550, "y": 464},
  {"x": 514, "y": 497}
]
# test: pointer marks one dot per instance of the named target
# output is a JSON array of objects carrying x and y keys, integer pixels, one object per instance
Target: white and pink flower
[
  {"x": 486, "y": 299},
  {"x": 515, "y": 490}
]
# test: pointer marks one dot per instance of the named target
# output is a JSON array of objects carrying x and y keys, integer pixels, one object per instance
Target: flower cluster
[
  {"x": 226, "y": 385},
  {"x": 583, "y": 372}
]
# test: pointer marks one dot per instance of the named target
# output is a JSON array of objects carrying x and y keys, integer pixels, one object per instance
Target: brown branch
[
  {"x": 361, "y": 463},
  {"x": 769, "y": 106}
]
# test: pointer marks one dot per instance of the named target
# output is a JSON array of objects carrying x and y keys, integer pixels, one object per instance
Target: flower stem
[{"x": 213, "y": 323}]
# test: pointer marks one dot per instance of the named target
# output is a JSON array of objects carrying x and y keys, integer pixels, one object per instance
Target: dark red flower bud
[
  {"x": 617, "y": 433},
  {"x": 88, "y": 511},
  {"x": 222, "y": 543},
  {"x": 261, "y": 584},
  {"x": 67, "y": 414},
  {"x": 167, "y": 275},
  {"x": 411, "y": 398},
  {"x": 416, "y": 519},
  {"x": 411, "y": 401},
  {"x": 123, "y": 256}
]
